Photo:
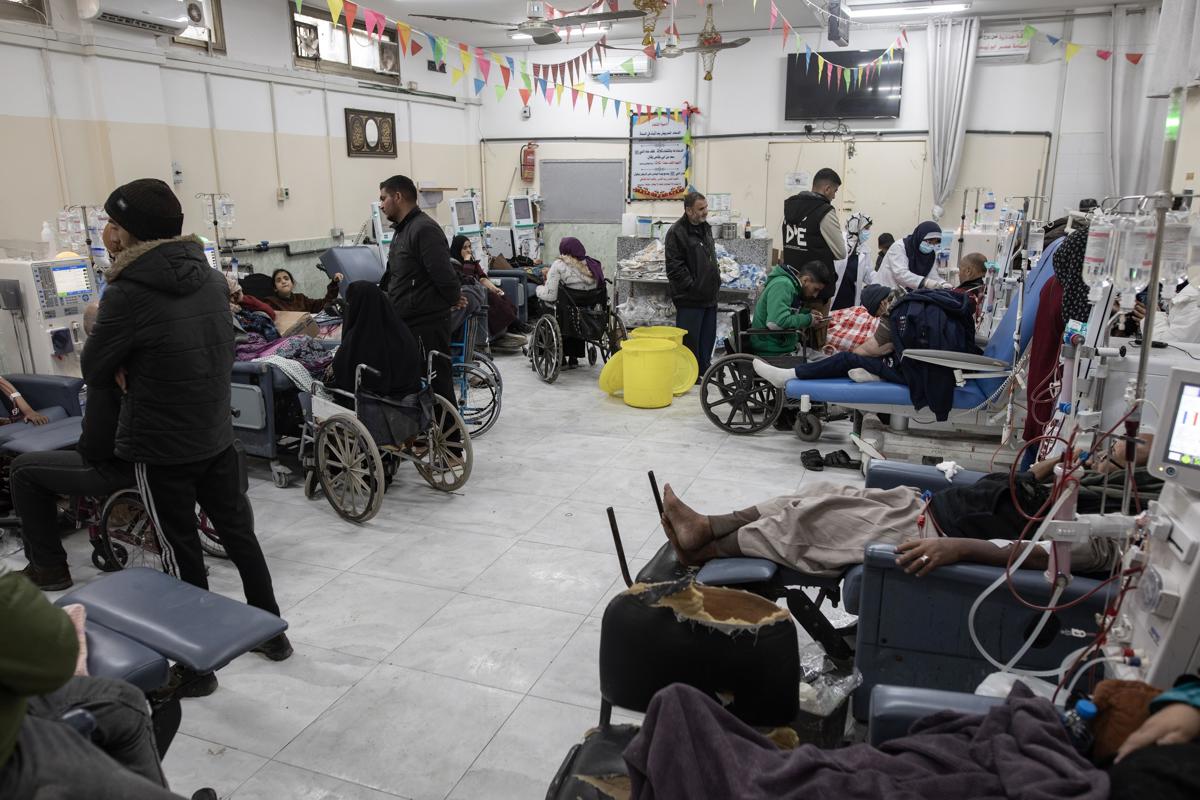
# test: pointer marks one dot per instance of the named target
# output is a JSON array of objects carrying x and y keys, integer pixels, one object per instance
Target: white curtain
[
  {"x": 1135, "y": 119},
  {"x": 1176, "y": 47},
  {"x": 952, "y": 45}
]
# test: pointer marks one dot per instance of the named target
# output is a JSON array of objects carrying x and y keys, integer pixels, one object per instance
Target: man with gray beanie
[{"x": 165, "y": 335}]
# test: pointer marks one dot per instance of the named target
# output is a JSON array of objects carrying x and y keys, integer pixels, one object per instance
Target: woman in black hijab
[{"x": 373, "y": 334}]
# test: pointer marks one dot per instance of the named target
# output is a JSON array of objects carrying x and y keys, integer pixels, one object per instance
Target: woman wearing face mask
[
  {"x": 910, "y": 262},
  {"x": 286, "y": 299},
  {"x": 849, "y": 270}
]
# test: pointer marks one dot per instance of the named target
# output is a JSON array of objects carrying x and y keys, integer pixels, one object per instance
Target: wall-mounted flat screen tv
[{"x": 813, "y": 96}]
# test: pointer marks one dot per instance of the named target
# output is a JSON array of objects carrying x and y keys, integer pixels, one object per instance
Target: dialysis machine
[
  {"x": 465, "y": 220},
  {"x": 382, "y": 232},
  {"x": 53, "y": 295},
  {"x": 524, "y": 228}
]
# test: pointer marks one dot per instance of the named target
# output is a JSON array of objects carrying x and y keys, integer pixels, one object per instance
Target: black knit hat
[
  {"x": 872, "y": 295},
  {"x": 147, "y": 208}
]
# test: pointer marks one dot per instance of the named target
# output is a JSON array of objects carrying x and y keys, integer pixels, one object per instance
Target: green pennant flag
[
  {"x": 1028, "y": 34},
  {"x": 528, "y": 81},
  {"x": 687, "y": 138},
  {"x": 628, "y": 67},
  {"x": 603, "y": 104},
  {"x": 846, "y": 78},
  {"x": 500, "y": 91},
  {"x": 299, "y": 6}
]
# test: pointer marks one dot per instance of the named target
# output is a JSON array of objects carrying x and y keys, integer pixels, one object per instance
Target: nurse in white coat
[{"x": 910, "y": 263}]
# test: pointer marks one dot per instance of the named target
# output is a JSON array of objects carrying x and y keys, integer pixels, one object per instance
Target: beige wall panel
[
  {"x": 886, "y": 180},
  {"x": 795, "y": 156},
  {"x": 1008, "y": 165},
  {"x": 86, "y": 160},
  {"x": 356, "y": 182},
  {"x": 444, "y": 165},
  {"x": 247, "y": 169},
  {"x": 29, "y": 174},
  {"x": 139, "y": 151},
  {"x": 304, "y": 169},
  {"x": 192, "y": 148}
]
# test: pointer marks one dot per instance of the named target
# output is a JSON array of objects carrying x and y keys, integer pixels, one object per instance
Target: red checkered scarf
[{"x": 850, "y": 327}]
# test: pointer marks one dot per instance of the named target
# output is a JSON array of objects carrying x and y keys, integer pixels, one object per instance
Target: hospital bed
[
  {"x": 911, "y": 631},
  {"x": 982, "y": 395}
]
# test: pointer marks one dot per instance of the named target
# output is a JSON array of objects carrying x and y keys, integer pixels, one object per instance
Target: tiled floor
[{"x": 449, "y": 647}]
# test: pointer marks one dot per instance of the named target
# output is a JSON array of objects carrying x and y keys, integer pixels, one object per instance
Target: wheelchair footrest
[
  {"x": 594, "y": 766},
  {"x": 201, "y": 630}
]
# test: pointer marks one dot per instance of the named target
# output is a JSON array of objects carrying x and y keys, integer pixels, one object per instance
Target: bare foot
[
  {"x": 692, "y": 530},
  {"x": 681, "y": 555}
]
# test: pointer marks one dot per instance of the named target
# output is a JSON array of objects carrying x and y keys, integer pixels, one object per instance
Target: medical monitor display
[
  {"x": 71, "y": 280},
  {"x": 522, "y": 214},
  {"x": 1183, "y": 444},
  {"x": 872, "y": 94},
  {"x": 464, "y": 214}
]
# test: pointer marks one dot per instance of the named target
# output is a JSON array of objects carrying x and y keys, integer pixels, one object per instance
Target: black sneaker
[
  {"x": 186, "y": 682},
  {"x": 48, "y": 579},
  {"x": 205, "y": 794},
  {"x": 277, "y": 648}
]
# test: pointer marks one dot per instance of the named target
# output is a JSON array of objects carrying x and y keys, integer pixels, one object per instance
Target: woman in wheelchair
[
  {"x": 826, "y": 528},
  {"x": 502, "y": 314},
  {"x": 573, "y": 269},
  {"x": 373, "y": 334}
]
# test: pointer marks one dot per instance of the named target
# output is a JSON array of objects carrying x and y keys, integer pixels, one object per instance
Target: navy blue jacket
[{"x": 934, "y": 319}]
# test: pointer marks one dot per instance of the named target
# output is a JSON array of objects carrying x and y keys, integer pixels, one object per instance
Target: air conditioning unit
[
  {"x": 158, "y": 16},
  {"x": 643, "y": 66}
]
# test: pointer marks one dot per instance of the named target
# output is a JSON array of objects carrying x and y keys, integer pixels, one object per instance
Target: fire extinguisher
[{"x": 528, "y": 162}]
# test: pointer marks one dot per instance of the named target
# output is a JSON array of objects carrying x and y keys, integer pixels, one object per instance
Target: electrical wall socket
[
  {"x": 283, "y": 193},
  {"x": 526, "y": 112}
]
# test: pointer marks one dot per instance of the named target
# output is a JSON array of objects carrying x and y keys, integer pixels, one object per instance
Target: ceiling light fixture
[
  {"x": 905, "y": 11},
  {"x": 597, "y": 29}
]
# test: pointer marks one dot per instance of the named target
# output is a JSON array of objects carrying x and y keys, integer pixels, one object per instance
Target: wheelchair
[
  {"x": 477, "y": 381},
  {"x": 586, "y": 315},
  {"x": 353, "y": 442},
  {"x": 738, "y": 401},
  {"x": 123, "y": 535}
]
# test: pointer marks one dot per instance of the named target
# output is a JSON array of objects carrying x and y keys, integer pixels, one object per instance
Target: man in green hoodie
[
  {"x": 779, "y": 306},
  {"x": 42, "y": 756}
]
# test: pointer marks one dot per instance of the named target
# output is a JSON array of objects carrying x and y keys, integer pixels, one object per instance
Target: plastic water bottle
[
  {"x": 1096, "y": 255},
  {"x": 1137, "y": 258},
  {"x": 1078, "y": 723},
  {"x": 1176, "y": 234},
  {"x": 990, "y": 217}
]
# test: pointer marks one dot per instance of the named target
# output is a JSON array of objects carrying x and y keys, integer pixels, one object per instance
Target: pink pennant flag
[
  {"x": 904, "y": 35},
  {"x": 571, "y": 70},
  {"x": 351, "y": 11},
  {"x": 774, "y": 15},
  {"x": 787, "y": 33},
  {"x": 485, "y": 66},
  {"x": 376, "y": 23},
  {"x": 650, "y": 51},
  {"x": 1104, "y": 55},
  {"x": 590, "y": 96},
  {"x": 1133, "y": 58},
  {"x": 574, "y": 96},
  {"x": 839, "y": 74}
]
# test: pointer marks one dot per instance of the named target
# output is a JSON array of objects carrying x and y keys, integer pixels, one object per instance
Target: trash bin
[
  {"x": 687, "y": 369},
  {"x": 649, "y": 372},
  {"x": 659, "y": 332}
]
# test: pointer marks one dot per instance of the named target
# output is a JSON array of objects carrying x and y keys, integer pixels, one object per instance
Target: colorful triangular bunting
[
  {"x": 1104, "y": 55},
  {"x": 335, "y": 10},
  {"x": 1133, "y": 58},
  {"x": 1072, "y": 50},
  {"x": 351, "y": 11}
]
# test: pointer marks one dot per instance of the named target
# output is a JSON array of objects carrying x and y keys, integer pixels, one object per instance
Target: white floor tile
[
  {"x": 403, "y": 731},
  {"x": 585, "y": 526},
  {"x": 292, "y": 580},
  {"x": 276, "y": 781},
  {"x": 362, "y": 615},
  {"x": 574, "y": 675},
  {"x": 544, "y": 575},
  {"x": 488, "y": 641},
  {"x": 622, "y": 488},
  {"x": 193, "y": 764},
  {"x": 498, "y": 513},
  {"x": 442, "y": 558}
]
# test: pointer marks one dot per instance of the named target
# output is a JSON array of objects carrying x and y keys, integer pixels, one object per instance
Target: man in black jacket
[
  {"x": 420, "y": 280},
  {"x": 165, "y": 335},
  {"x": 695, "y": 277}
]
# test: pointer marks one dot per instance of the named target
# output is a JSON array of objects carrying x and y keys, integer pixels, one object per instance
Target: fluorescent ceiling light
[
  {"x": 597, "y": 29},
  {"x": 906, "y": 11}
]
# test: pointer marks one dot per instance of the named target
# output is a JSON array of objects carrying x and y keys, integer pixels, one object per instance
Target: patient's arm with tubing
[{"x": 921, "y": 556}]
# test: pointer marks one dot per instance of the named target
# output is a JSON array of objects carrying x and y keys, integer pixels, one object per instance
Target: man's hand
[
  {"x": 922, "y": 556},
  {"x": 1139, "y": 311},
  {"x": 460, "y": 304},
  {"x": 122, "y": 379},
  {"x": 1178, "y": 723}
]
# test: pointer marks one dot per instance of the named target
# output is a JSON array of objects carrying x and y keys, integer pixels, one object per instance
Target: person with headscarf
[
  {"x": 239, "y": 301},
  {"x": 573, "y": 269},
  {"x": 285, "y": 298},
  {"x": 850, "y": 268},
  {"x": 502, "y": 314},
  {"x": 911, "y": 262},
  {"x": 373, "y": 334}
]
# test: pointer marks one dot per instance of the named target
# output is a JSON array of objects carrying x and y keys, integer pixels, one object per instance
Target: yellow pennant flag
[
  {"x": 335, "y": 11},
  {"x": 1072, "y": 49},
  {"x": 558, "y": 90},
  {"x": 820, "y": 67},
  {"x": 456, "y": 74},
  {"x": 465, "y": 55}
]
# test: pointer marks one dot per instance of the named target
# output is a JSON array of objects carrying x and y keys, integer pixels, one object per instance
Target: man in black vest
[
  {"x": 695, "y": 277},
  {"x": 811, "y": 229}
]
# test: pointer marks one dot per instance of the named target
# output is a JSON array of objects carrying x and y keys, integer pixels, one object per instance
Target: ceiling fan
[
  {"x": 537, "y": 26},
  {"x": 710, "y": 43}
]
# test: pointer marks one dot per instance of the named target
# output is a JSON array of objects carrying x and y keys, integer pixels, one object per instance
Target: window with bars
[
  {"x": 320, "y": 45},
  {"x": 204, "y": 25}
]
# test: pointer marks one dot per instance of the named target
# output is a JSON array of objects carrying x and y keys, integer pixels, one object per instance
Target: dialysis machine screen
[
  {"x": 1183, "y": 446},
  {"x": 464, "y": 214},
  {"x": 71, "y": 280},
  {"x": 521, "y": 213}
]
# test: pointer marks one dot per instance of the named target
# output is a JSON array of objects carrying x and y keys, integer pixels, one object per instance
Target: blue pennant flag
[
  {"x": 807, "y": 57},
  {"x": 479, "y": 84},
  {"x": 433, "y": 48},
  {"x": 604, "y": 78},
  {"x": 1053, "y": 39},
  {"x": 511, "y": 64},
  {"x": 542, "y": 84},
  {"x": 617, "y": 106}
]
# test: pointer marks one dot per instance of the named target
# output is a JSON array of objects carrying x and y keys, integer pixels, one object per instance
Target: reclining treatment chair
[
  {"x": 55, "y": 396},
  {"x": 983, "y": 378}
]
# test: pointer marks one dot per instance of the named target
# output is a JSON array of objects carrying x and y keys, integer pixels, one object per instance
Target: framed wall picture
[{"x": 370, "y": 134}]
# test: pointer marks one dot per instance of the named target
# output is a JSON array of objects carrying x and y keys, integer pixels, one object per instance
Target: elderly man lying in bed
[{"x": 825, "y": 529}]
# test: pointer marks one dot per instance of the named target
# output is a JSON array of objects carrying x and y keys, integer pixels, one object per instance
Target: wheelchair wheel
[
  {"x": 126, "y": 535},
  {"x": 478, "y": 398},
  {"x": 546, "y": 348},
  {"x": 350, "y": 468},
  {"x": 485, "y": 363},
  {"x": 614, "y": 334},
  {"x": 807, "y": 427},
  {"x": 736, "y": 399},
  {"x": 312, "y": 484},
  {"x": 593, "y": 353},
  {"x": 446, "y": 464},
  {"x": 210, "y": 542}
]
